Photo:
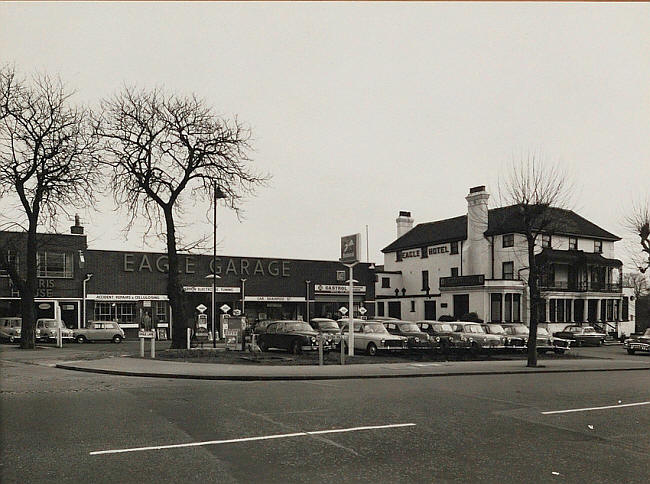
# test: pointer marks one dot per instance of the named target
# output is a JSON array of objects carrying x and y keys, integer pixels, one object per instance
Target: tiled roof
[{"x": 503, "y": 220}]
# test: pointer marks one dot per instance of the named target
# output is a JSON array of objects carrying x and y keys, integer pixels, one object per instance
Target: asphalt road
[{"x": 469, "y": 428}]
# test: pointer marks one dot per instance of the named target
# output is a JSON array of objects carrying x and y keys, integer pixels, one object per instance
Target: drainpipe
[
  {"x": 88, "y": 277},
  {"x": 492, "y": 250}
]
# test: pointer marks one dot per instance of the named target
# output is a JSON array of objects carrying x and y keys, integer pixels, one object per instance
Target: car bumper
[{"x": 637, "y": 346}]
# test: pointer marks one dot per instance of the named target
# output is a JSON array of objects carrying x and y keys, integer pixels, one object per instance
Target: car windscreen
[
  {"x": 375, "y": 328},
  {"x": 474, "y": 328},
  {"x": 298, "y": 327},
  {"x": 51, "y": 324},
  {"x": 542, "y": 332},
  {"x": 589, "y": 330},
  {"x": 15, "y": 324},
  {"x": 443, "y": 328},
  {"x": 328, "y": 325},
  {"x": 496, "y": 329},
  {"x": 409, "y": 327},
  {"x": 519, "y": 329}
]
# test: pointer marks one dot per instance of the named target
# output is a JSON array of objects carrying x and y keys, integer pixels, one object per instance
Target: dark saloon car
[
  {"x": 638, "y": 342},
  {"x": 293, "y": 336},
  {"x": 514, "y": 340},
  {"x": 417, "y": 340},
  {"x": 448, "y": 339},
  {"x": 327, "y": 326},
  {"x": 581, "y": 335}
]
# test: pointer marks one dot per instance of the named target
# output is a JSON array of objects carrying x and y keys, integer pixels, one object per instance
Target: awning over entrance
[{"x": 575, "y": 257}]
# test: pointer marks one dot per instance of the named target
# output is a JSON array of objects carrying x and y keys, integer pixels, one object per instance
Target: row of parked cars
[
  {"x": 389, "y": 334},
  {"x": 47, "y": 330}
]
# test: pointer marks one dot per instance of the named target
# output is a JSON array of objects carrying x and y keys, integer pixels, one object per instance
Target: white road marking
[
  {"x": 596, "y": 408},
  {"x": 250, "y": 439}
]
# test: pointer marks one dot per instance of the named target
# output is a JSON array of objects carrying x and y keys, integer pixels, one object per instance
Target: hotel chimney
[
  {"x": 476, "y": 249},
  {"x": 404, "y": 223}
]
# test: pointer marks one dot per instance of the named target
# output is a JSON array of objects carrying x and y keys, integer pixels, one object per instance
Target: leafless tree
[
  {"x": 537, "y": 190},
  {"x": 637, "y": 281},
  {"x": 165, "y": 152},
  {"x": 639, "y": 224},
  {"x": 48, "y": 164}
]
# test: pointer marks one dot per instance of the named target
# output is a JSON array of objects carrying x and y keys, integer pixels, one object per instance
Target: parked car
[
  {"x": 293, "y": 336},
  {"x": 479, "y": 340},
  {"x": 372, "y": 336},
  {"x": 48, "y": 329},
  {"x": 581, "y": 335},
  {"x": 638, "y": 342},
  {"x": 10, "y": 329},
  {"x": 99, "y": 331},
  {"x": 449, "y": 340},
  {"x": 513, "y": 340},
  {"x": 417, "y": 340},
  {"x": 327, "y": 326},
  {"x": 546, "y": 342}
]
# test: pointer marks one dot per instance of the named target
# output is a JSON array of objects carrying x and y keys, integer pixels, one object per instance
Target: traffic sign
[
  {"x": 201, "y": 308},
  {"x": 362, "y": 311},
  {"x": 343, "y": 310},
  {"x": 236, "y": 312},
  {"x": 225, "y": 308}
]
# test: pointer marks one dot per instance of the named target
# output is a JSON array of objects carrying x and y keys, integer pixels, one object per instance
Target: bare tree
[
  {"x": 639, "y": 224},
  {"x": 164, "y": 152},
  {"x": 636, "y": 281},
  {"x": 537, "y": 190},
  {"x": 48, "y": 164}
]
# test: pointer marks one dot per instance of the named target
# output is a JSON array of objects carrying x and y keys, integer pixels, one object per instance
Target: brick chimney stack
[
  {"x": 77, "y": 228},
  {"x": 404, "y": 223}
]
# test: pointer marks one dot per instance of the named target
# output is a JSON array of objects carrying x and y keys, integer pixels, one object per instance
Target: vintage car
[
  {"x": 449, "y": 340},
  {"x": 372, "y": 336},
  {"x": 546, "y": 342},
  {"x": 479, "y": 340},
  {"x": 417, "y": 339},
  {"x": 293, "y": 336},
  {"x": 514, "y": 340},
  {"x": 327, "y": 326},
  {"x": 581, "y": 335},
  {"x": 11, "y": 327},
  {"x": 99, "y": 331},
  {"x": 49, "y": 327},
  {"x": 638, "y": 342}
]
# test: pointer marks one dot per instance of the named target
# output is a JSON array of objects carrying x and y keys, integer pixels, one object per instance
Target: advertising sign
[
  {"x": 337, "y": 288},
  {"x": 145, "y": 334},
  {"x": 350, "y": 248}
]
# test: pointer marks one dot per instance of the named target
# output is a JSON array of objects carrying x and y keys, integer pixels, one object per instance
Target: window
[
  {"x": 159, "y": 311},
  {"x": 573, "y": 243},
  {"x": 340, "y": 276},
  {"x": 425, "y": 280},
  {"x": 412, "y": 306},
  {"x": 507, "y": 309},
  {"x": 424, "y": 253},
  {"x": 551, "y": 310},
  {"x": 385, "y": 282},
  {"x": 546, "y": 240},
  {"x": 11, "y": 258},
  {"x": 516, "y": 305},
  {"x": 598, "y": 246},
  {"x": 454, "y": 272},
  {"x": 560, "y": 311},
  {"x": 508, "y": 270},
  {"x": 398, "y": 256},
  {"x": 495, "y": 315},
  {"x": 509, "y": 240},
  {"x": 123, "y": 312},
  {"x": 380, "y": 308},
  {"x": 54, "y": 264},
  {"x": 454, "y": 247}
]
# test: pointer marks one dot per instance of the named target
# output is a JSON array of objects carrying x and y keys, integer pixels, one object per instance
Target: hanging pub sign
[{"x": 350, "y": 248}]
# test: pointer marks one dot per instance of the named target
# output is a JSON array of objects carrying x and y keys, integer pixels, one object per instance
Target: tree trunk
[
  {"x": 534, "y": 303},
  {"x": 27, "y": 290},
  {"x": 174, "y": 289}
]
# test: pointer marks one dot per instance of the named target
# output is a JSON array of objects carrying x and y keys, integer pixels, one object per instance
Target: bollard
[
  {"x": 141, "y": 347},
  {"x": 153, "y": 346},
  {"x": 59, "y": 338},
  {"x": 189, "y": 336},
  {"x": 320, "y": 349},
  {"x": 342, "y": 352}
]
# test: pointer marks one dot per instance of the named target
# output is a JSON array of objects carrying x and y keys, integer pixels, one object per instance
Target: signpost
[
  {"x": 147, "y": 334},
  {"x": 350, "y": 258}
]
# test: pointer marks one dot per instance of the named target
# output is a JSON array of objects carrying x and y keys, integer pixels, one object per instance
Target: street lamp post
[
  {"x": 217, "y": 195},
  {"x": 88, "y": 277},
  {"x": 307, "y": 284},
  {"x": 243, "y": 296},
  {"x": 214, "y": 278}
]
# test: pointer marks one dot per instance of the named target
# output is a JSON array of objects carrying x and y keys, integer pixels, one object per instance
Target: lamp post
[
  {"x": 307, "y": 284},
  {"x": 88, "y": 277},
  {"x": 243, "y": 296},
  {"x": 214, "y": 278}
]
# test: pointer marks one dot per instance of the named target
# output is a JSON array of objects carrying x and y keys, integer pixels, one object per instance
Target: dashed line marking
[{"x": 587, "y": 409}]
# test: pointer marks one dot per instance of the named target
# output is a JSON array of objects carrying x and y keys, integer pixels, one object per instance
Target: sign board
[
  {"x": 338, "y": 288},
  {"x": 162, "y": 333},
  {"x": 209, "y": 289},
  {"x": 350, "y": 248},
  {"x": 362, "y": 311},
  {"x": 202, "y": 322},
  {"x": 232, "y": 337},
  {"x": 44, "y": 306},
  {"x": 236, "y": 312},
  {"x": 201, "y": 308},
  {"x": 225, "y": 308},
  {"x": 343, "y": 310},
  {"x": 146, "y": 304},
  {"x": 145, "y": 334}
]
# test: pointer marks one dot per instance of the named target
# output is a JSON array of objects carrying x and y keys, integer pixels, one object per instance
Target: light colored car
[
  {"x": 10, "y": 329},
  {"x": 478, "y": 338},
  {"x": 99, "y": 331},
  {"x": 372, "y": 336},
  {"x": 48, "y": 328}
]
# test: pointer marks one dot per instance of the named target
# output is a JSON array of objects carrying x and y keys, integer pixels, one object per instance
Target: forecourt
[{"x": 63, "y": 426}]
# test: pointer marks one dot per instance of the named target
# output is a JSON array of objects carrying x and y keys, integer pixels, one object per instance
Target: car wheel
[
  {"x": 11, "y": 339},
  {"x": 263, "y": 346},
  {"x": 80, "y": 339},
  {"x": 295, "y": 348},
  {"x": 371, "y": 350},
  {"x": 117, "y": 339},
  {"x": 630, "y": 351}
]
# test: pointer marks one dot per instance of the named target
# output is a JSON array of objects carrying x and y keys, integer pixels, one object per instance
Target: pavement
[{"x": 143, "y": 367}]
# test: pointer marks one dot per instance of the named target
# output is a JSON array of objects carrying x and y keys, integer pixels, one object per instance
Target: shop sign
[
  {"x": 362, "y": 311},
  {"x": 410, "y": 253},
  {"x": 44, "y": 306},
  {"x": 201, "y": 308},
  {"x": 225, "y": 308},
  {"x": 458, "y": 281},
  {"x": 274, "y": 299},
  {"x": 209, "y": 289},
  {"x": 338, "y": 288},
  {"x": 438, "y": 250},
  {"x": 343, "y": 310},
  {"x": 126, "y": 297},
  {"x": 350, "y": 248}
]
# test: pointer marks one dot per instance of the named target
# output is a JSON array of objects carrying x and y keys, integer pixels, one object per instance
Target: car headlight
[
  {"x": 417, "y": 340},
  {"x": 382, "y": 342},
  {"x": 437, "y": 339},
  {"x": 313, "y": 339}
]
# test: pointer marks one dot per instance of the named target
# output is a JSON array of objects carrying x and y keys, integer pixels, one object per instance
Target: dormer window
[
  {"x": 508, "y": 240},
  {"x": 598, "y": 246},
  {"x": 573, "y": 243}
]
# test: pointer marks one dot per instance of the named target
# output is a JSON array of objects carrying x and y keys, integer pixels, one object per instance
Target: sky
[{"x": 360, "y": 110}]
